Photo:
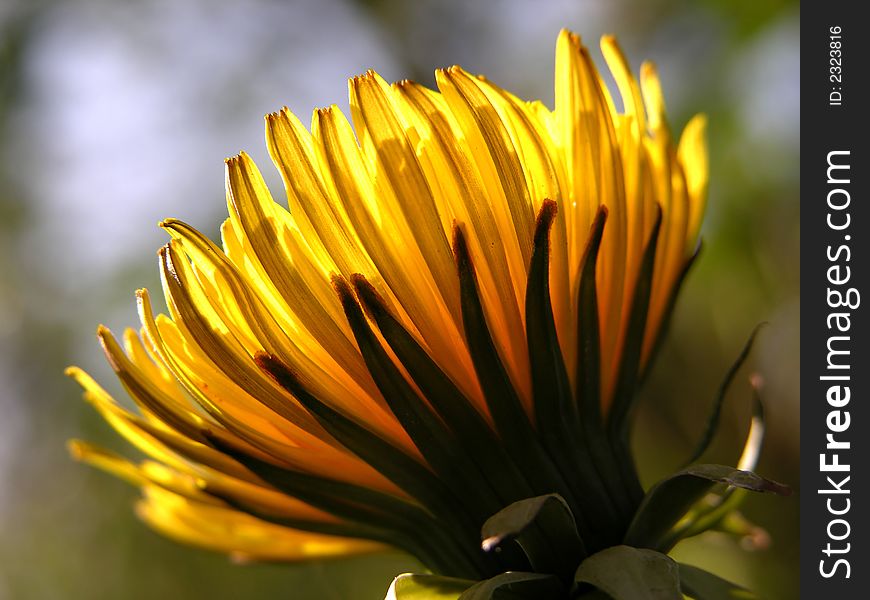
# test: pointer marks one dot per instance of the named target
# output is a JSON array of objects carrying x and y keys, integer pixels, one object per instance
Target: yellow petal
[
  {"x": 229, "y": 531},
  {"x": 106, "y": 460},
  {"x": 692, "y": 154}
]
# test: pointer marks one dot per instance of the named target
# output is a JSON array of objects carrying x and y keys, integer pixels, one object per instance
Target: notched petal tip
[
  {"x": 361, "y": 79},
  {"x": 241, "y": 158},
  {"x": 570, "y": 37},
  {"x": 276, "y": 114},
  {"x": 449, "y": 73}
]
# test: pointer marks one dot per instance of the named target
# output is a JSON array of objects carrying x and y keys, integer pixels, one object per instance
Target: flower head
[{"x": 451, "y": 315}]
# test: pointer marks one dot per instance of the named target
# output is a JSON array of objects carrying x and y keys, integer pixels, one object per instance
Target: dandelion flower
[{"x": 448, "y": 320}]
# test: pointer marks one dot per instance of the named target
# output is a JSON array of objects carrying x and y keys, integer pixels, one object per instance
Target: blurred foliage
[{"x": 68, "y": 532}]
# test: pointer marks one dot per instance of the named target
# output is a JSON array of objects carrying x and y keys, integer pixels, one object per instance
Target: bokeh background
[{"x": 114, "y": 115}]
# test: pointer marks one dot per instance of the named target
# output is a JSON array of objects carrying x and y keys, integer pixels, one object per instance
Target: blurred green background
[{"x": 114, "y": 115}]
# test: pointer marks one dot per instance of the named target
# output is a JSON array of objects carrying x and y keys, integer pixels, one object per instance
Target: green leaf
[
  {"x": 670, "y": 499},
  {"x": 544, "y": 528},
  {"x": 716, "y": 411},
  {"x": 516, "y": 586},
  {"x": 626, "y": 573},
  {"x": 709, "y": 512},
  {"x": 410, "y": 586},
  {"x": 703, "y": 585}
]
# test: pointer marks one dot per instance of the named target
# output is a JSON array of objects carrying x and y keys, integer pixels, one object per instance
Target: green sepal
[
  {"x": 341, "y": 499},
  {"x": 436, "y": 442},
  {"x": 703, "y": 585},
  {"x": 588, "y": 370},
  {"x": 665, "y": 323},
  {"x": 544, "y": 528},
  {"x": 414, "y": 529},
  {"x": 410, "y": 586},
  {"x": 516, "y": 585},
  {"x": 513, "y": 425},
  {"x": 588, "y": 375},
  {"x": 556, "y": 412},
  {"x": 670, "y": 499},
  {"x": 629, "y": 365},
  {"x": 343, "y": 528},
  {"x": 628, "y": 376},
  {"x": 393, "y": 463},
  {"x": 479, "y": 442},
  {"x": 626, "y": 573},
  {"x": 716, "y": 410}
]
